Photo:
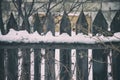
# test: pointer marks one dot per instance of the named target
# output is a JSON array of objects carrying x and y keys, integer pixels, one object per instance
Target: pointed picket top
[
  {"x": 2, "y": 29},
  {"x": 37, "y": 26},
  {"x": 12, "y": 23},
  {"x": 65, "y": 25},
  {"x": 50, "y": 24},
  {"x": 26, "y": 25},
  {"x": 115, "y": 24},
  {"x": 100, "y": 25},
  {"x": 81, "y": 24}
]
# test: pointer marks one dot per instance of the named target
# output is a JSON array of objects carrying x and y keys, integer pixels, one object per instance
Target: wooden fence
[
  {"x": 103, "y": 62},
  {"x": 91, "y": 61}
]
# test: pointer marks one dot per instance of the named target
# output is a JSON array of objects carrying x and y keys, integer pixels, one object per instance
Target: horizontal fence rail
[{"x": 109, "y": 45}]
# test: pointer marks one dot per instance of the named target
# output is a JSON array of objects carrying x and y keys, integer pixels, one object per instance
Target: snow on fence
[{"x": 72, "y": 56}]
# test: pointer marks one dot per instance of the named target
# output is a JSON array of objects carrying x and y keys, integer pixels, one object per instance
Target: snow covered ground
[{"x": 24, "y": 36}]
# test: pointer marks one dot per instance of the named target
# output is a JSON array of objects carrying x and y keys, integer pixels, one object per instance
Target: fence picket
[
  {"x": 50, "y": 24},
  {"x": 50, "y": 64},
  {"x": 12, "y": 23},
  {"x": 81, "y": 24},
  {"x": 82, "y": 64},
  {"x": 37, "y": 64},
  {"x": 65, "y": 25},
  {"x": 115, "y": 23},
  {"x": 25, "y": 74},
  {"x": 2, "y": 76},
  {"x": 115, "y": 65},
  {"x": 12, "y": 66},
  {"x": 99, "y": 64},
  {"x": 37, "y": 25},
  {"x": 65, "y": 64},
  {"x": 100, "y": 25}
]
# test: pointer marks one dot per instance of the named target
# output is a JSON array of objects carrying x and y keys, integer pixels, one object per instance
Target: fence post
[
  {"x": 12, "y": 66},
  {"x": 2, "y": 76},
  {"x": 115, "y": 65},
  {"x": 65, "y": 64},
  {"x": 82, "y": 64},
  {"x": 25, "y": 73},
  {"x": 99, "y": 64},
  {"x": 50, "y": 64},
  {"x": 37, "y": 64}
]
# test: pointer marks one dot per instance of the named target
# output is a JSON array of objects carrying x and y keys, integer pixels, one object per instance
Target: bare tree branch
[{"x": 31, "y": 7}]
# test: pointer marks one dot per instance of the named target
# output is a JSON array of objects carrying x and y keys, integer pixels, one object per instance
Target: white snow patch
[{"x": 24, "y": 36}]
